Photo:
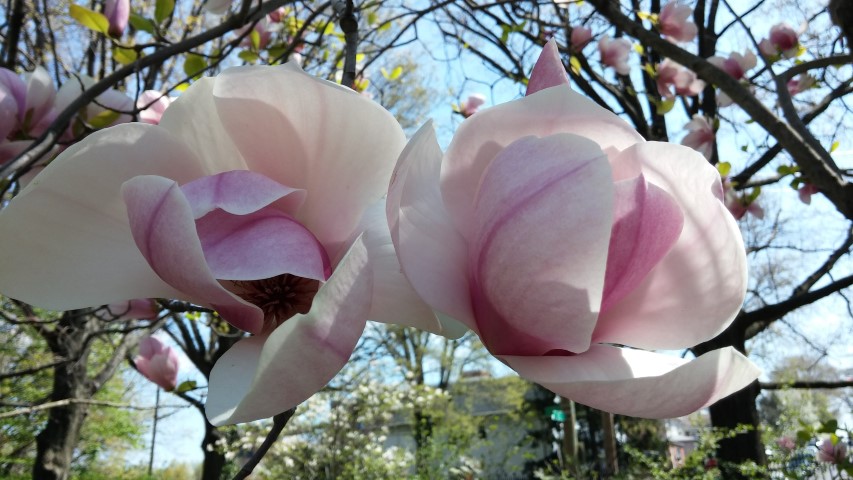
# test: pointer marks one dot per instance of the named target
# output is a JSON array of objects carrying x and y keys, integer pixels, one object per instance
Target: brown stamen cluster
[{"x": 279, "y": 297}]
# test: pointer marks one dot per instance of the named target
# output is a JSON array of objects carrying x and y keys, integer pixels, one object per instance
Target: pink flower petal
[
  {"x": 65, "y": 241},
  {"x": 432, "y": 254},
  {"x": 259, "y": 245},
  {"x": 262, "y": 376},
  {"x": 316, "y": 135},
  {"x": 482, "y": 136},
  {"x": 193, "y": 118},
  {"x": 164, "y": 231},
  {"x": 646, "y": 224},
  {"x": 139, "y": 308},
  {"x": 639, "y": 383},
  {"x": 544, "y": 213},
  {"x": 8, "y": 113},
  {"x": 394, "y": 299},
  {"x": 240, "y": 192},
  {"x": 548, "y": 71},
  {"x": 699, "y": 285}
]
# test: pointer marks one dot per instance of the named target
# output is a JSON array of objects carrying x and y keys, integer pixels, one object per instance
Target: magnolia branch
[
  {"x": 807, "y": 384},
  {"x": 43, "y": 144},
  {"x": 811, "y": 158},
  {"x": 279, "y": 422},
  {"x": 71, "y": 401}
]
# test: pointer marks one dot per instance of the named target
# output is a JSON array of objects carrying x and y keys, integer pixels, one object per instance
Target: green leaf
[
  {"x": 803, "y": 436},
  {"x": 163, "y": 10},
  {"x": 89, "y": 18},
  {"x": 666, "y": 105},
  {"x": 724, "y": 168},
  {"x": 125, "y": 56},
  {"x": 834, "y": 146},
  {"x": 194, "y": 64},
  {"x": 141, "y": 23},
  {"x": 248, "y": 56},
  {"x": 255, "y": 37},
  {"x": 575, "y": 64},
  {"x": 186, "y": 386},
  {"x": 103, "y": 119},
  {"x": 384, "y": 26},
  {"x": 394, "y": 75},
  {"x": 829, "y": 427}
]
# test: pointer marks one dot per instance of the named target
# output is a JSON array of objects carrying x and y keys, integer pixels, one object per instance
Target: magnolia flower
[
  {"x": 736, "y": 65},
  {"x": 157, "y": 363},
  {"x": 614, "y": 53},
  {"x": 787, "y": 444},
  {"x": 470, "y": 106},
  {"x": 671, "y": 74},
  {"x": 674, "y": 24},
  {"x": 112, "y": 102},
  {"x": 118, "y": 14},
  {"x": 740, "y": 204},
  {"x": 250, "y": 197},
  {"x": 26, "y": 102},
  {"x": 700, "y": 136},
  {"x": 151, "y": 105},
  {"x": 136, "y": 309},
  {"x": 580, "y": 37},
  {"x": 829, "y": 452},
  {"x": 553, "y": 231},
  {"x": 801, "y": 83},
  {"x": 783, "y": 40},
  {"x": 806, "y": 191}
]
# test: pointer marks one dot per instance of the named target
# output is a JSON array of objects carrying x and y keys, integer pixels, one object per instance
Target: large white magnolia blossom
[{"x": 252, "y": 197}]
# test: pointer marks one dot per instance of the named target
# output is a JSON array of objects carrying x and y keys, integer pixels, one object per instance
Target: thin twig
[
  {"x": 278, "y": 423},
  {"x": 349, "y": 25}
]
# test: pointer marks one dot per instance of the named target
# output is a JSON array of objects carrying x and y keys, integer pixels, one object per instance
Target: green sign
[{"x": 556, "y": 413}]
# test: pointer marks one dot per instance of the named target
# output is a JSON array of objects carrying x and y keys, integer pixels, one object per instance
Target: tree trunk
[
  {"x": 608, "y": 429},
  {"x": 56, "y": 442},
  {"x": 214, "y": 458},
  {"x": 730, "y": 412},
  {"x": 736, "y": 409}
]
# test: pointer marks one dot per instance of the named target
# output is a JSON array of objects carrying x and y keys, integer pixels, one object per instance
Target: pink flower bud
[
  {"x": 700, "y": 137},
  {"x": 801, "y": 83},
  {"x": 581, "y": 36},
  {"x": 151, "y": 105},
  {"x": 674, "y": 24},
  {"x": 614, "y": 53},
  {"x": 471, "y": 105},
  {"x": 671, "y": 74},
  {"x": 157, "y": 363},
  {"x": 118, "y": 13}
]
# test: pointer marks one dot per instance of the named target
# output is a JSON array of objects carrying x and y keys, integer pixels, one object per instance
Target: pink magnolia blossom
[
  {"x": 700, "y": 136},
  {"x": 581, "y": 36},
  {"x": 554, "y": 232},
  {"x": 136, "y": 309},
  {"x": 259, "y": 194},
  {"x": 736, "y": 65},
  {"x": 26, "y": 102},
  {"x": 111, "y": 100},
  {"x": 787, "y": 444},
  {"x": 783, "y": 40},
  {"x": 158, "y": 363},
  {"x": 614, "y": 53},
  {"x": 278, "y": 14},
  {"x": 685, "y": 82},
  {"x": 118, "y": 14},
  {"x": 152, "y": 105},
  {"x": 801, "y": 83},
  {"x": 739, "y": 204},
  {"x": 470, "y": 105},
  {"x": 829, "y": 452},
  {"x": 674, "y": 24},
  {"x": 806, "y": 191},
  {"x": 265, "y": 28}
]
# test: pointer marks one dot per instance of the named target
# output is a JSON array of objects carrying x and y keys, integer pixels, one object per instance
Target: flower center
[{"x": 279, "y": 297}]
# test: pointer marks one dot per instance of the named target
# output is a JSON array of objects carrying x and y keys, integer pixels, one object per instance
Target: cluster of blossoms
[
  {"x": 549, "y": 228},
  {"x": 30, "y": 102}
]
